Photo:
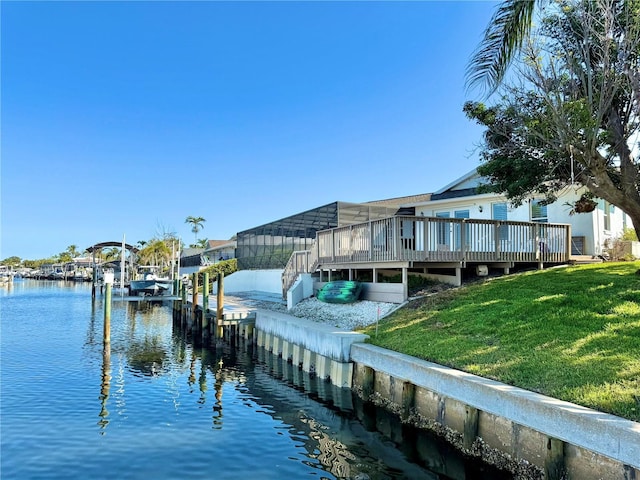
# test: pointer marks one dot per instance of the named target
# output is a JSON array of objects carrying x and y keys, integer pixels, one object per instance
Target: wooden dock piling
[
  {"x": 194, "y": 295},
  {"x": 107, "y": 315},
  {"x": 205, "y": 307},
  {"x": 220, "y": 306}
]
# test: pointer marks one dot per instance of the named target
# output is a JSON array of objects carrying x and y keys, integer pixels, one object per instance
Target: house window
[
  {"x": 538, "y": 211},
  {"x": 607, "y": 215}
]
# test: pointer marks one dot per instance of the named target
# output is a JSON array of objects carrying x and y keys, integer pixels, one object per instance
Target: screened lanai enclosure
[{"x": 271, "y": 245}]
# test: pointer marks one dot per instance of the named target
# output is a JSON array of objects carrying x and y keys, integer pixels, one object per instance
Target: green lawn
[{"x": 571, "y": 333}]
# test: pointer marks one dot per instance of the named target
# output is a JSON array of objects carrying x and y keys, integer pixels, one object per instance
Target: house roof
[
  {"x": 188, "y": 252},
  {"x": 397, "y": 201},
  {"x": 467, "y": 176},
  {"x": 213, "y": 244}
]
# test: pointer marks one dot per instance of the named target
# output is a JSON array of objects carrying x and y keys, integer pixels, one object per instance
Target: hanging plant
[{"x": 584, "y": 204}]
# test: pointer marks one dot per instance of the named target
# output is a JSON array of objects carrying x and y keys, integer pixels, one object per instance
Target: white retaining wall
[
  {"x": 269, "y": 281},
  {"x": 328, "y": 341},
  {"x": 301, "y": 289}
]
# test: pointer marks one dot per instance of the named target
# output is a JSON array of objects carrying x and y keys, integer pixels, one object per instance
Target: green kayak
[{"x": 341, "y": 291}]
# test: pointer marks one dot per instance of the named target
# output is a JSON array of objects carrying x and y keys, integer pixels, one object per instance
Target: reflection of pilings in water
[
  {"x": 192, "y": 370},
  {"x": 333, "y": 454},
  {"x": 202, "y": 382},
  {"x": 333, "y": 436},
  {"x": 105, "y": 387},
  {"x": 217, "y": 408}
]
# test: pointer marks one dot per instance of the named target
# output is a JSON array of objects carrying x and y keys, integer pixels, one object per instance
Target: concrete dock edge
[{"x": 605, "y": 434}]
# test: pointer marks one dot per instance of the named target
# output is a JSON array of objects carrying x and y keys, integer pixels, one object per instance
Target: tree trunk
[{"x": 636, "y": 225}]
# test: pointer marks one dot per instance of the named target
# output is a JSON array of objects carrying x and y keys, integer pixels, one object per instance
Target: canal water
[{"x": 154, "y": 405}]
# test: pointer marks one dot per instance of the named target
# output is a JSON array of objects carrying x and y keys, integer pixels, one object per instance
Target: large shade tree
[{"x": 570, "y": 115}]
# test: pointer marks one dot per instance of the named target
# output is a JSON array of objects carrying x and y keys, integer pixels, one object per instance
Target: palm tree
[
  {"x": 503, "y": 38},
  {"x": 156, "y": 252},
  {"x": 73, "y": 251},
  {"x": 112, "y": 254},
  {"x": 197, "y": 224}
]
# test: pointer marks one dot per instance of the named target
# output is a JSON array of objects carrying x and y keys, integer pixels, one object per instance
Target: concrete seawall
[
  {"x": 558, "y": 437},
  {"x": 522, "y": 423},
  {"x": 317, "y": 348}
]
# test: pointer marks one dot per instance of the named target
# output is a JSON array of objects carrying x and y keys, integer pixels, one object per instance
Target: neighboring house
[
  {"x": 219, "y": 250},
  {"x": 195, "y": 259},
  {"x": 591, "y": 233}
]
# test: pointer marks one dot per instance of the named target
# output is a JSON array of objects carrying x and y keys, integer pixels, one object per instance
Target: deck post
[
  {"x": 396, "y": 236},
  {"x": 405, "y": 283},
  {"x": 425, "y": 226},
  {"x": 496, "y": 239},
  {"x": 538, "y": 247},
  {"x": 463, "y": 240},
  {"x": 333, "y": 246},
  {"x": 370, "y": 241}
]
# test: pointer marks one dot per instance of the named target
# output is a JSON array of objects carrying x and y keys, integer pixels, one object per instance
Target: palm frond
[{"x": 503, "y": 37}]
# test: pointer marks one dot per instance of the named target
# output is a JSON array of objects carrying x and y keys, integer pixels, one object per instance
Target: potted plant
[{"x": 584, "y": 204}]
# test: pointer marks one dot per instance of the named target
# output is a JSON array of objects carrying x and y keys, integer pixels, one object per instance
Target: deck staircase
[{"x": 305, "y": 261}]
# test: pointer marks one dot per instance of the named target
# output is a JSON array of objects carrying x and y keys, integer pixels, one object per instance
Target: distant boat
[
  {"x": 342, "y": 291},
  {"x": 150, "y": 284},
  {"x": 81, "y": 275},
  {"x": 6, "y": 274}
]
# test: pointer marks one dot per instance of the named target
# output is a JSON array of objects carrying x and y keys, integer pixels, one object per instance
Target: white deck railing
[
  {"x": 430, "y": 239},
  {"x": 433, "y": 240}
]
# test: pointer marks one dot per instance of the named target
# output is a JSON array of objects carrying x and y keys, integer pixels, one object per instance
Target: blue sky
[{"x": 124, "y": 118}]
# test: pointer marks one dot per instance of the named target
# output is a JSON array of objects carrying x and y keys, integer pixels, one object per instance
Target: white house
[
  {"x": 195, "y": 259},
  {"x": 592, "y": 233}
]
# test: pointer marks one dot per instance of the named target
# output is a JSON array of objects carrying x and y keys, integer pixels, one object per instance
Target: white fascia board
[{"x": 471, "y": 198}]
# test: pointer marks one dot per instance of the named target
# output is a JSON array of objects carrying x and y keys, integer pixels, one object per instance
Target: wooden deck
[{"x": 413, "y": 242}]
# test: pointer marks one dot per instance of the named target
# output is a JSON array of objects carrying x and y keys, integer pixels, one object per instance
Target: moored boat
[
  {"x": 150, "y": 284},
  {"x": 6, "y": 274}
]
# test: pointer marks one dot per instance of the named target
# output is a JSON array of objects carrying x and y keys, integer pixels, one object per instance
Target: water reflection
[
  {"x": 105, "y": 387},
  {"x": 332, "y": 430}
]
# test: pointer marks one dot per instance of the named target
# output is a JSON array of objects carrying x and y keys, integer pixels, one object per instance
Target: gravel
[{"x": 349, "y": 316}]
